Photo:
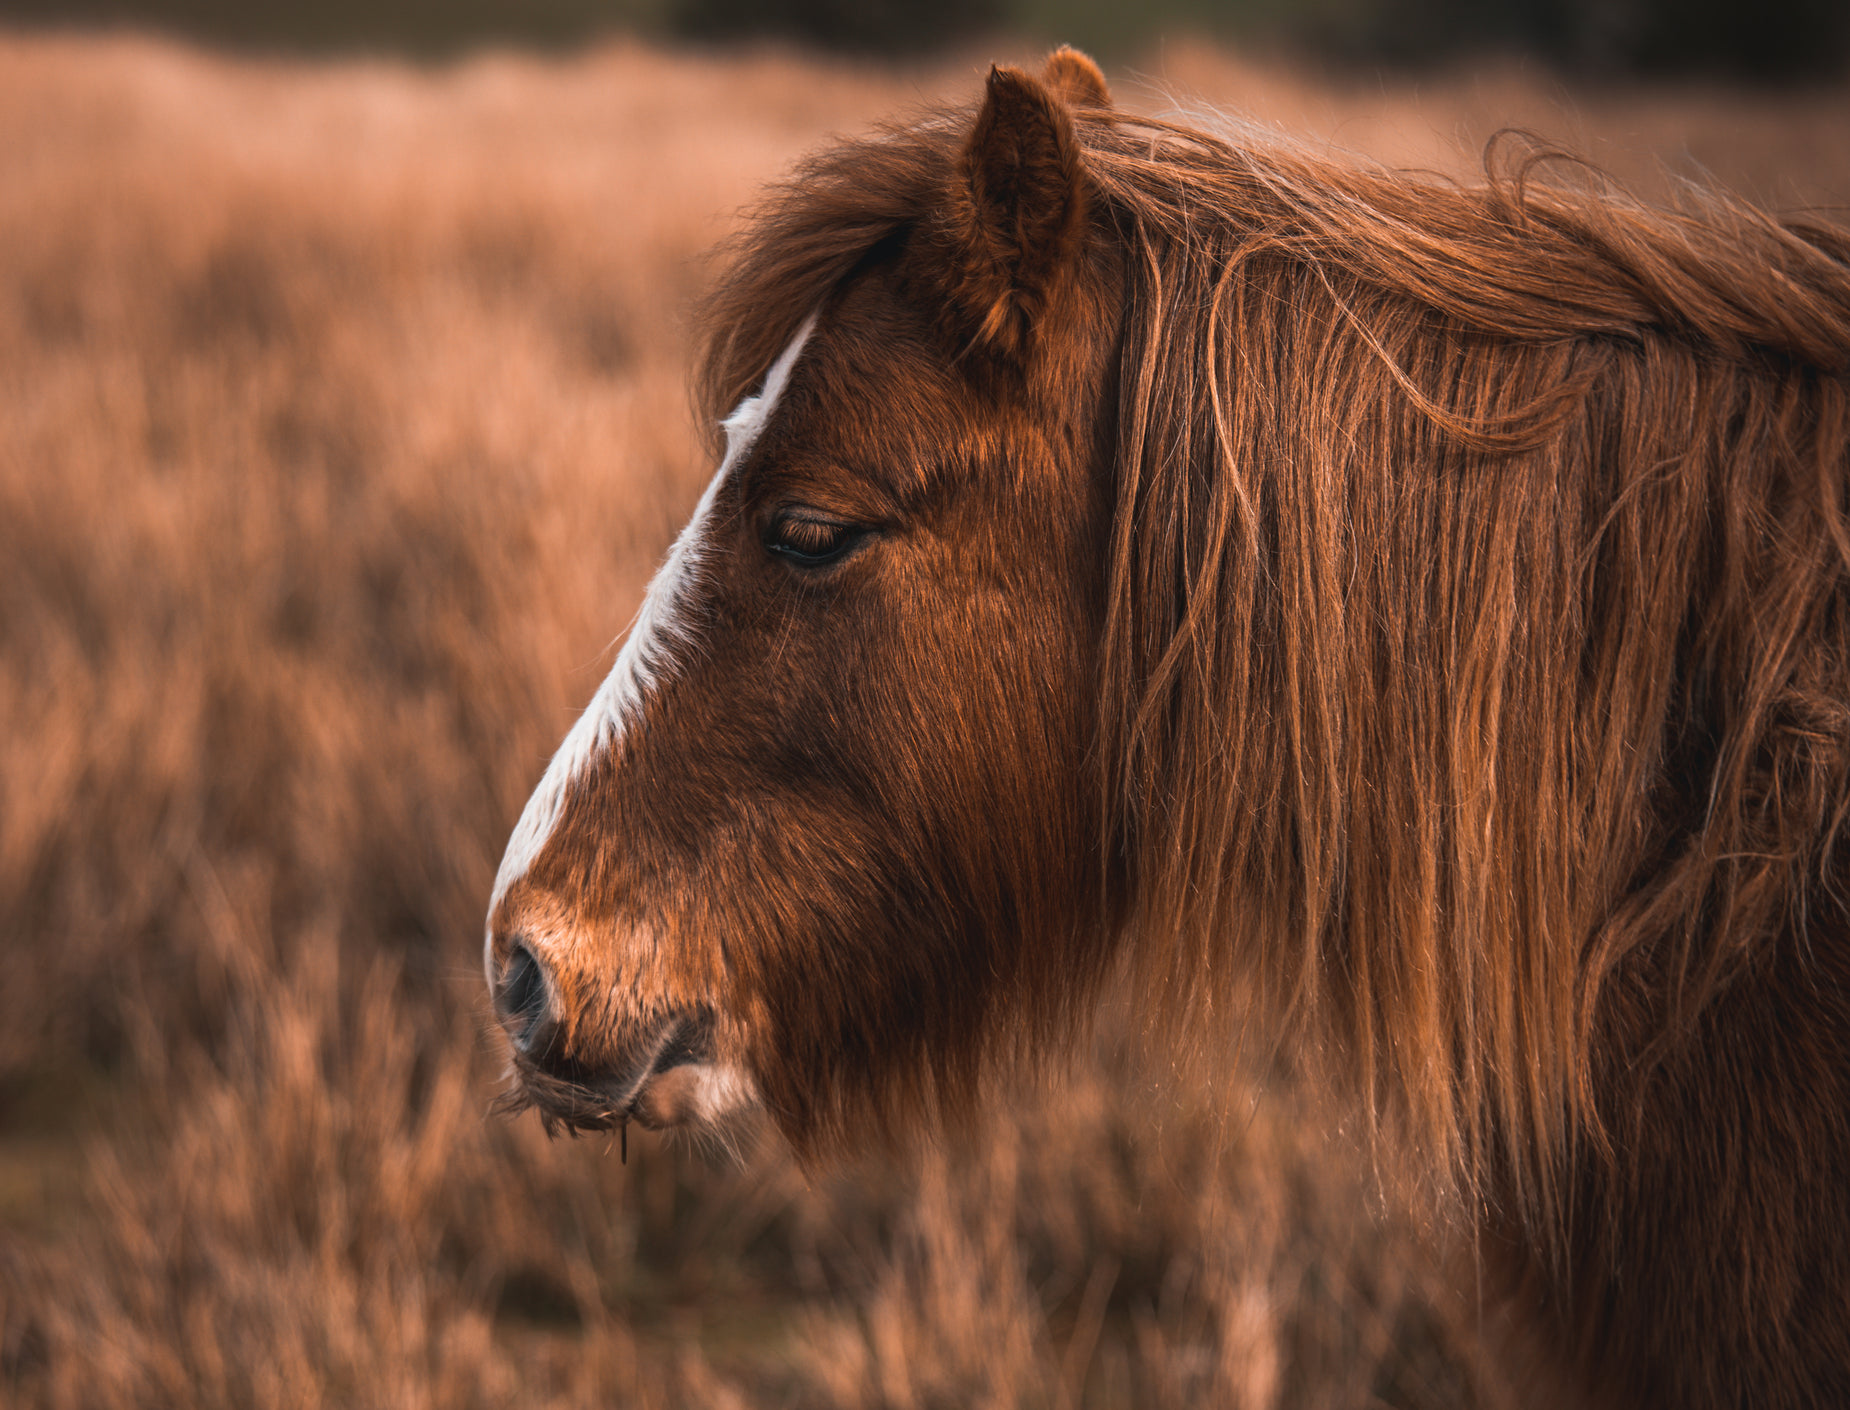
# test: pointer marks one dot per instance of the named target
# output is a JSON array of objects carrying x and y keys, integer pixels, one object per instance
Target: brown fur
[{"x": 1421, "y": 608}]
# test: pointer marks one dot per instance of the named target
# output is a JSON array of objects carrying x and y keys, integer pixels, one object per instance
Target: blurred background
[
  {"x": 1773, "y": 41},
  {"x": 343, "y": 417}
]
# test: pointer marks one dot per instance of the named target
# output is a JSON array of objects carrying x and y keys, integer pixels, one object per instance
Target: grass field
[{"x": 343, "y": 416}]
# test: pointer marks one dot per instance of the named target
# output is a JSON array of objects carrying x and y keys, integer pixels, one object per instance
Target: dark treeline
[{"x": 1756, "y": 40}]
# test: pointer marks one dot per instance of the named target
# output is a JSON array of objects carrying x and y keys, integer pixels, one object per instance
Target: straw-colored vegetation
[{"x": 342, "y": 417}]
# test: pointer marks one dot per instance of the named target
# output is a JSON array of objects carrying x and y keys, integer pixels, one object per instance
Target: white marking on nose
[{"x": 650, "y": 654}]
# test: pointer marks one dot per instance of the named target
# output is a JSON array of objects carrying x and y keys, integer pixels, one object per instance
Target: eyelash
[{"x": 810, "y": 543}]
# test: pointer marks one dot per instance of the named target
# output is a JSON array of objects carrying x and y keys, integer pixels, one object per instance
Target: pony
[{"x": 1412, "y": 614}]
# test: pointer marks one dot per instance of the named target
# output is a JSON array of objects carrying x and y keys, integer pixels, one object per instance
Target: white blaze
[{"x": 649, "y": 654}]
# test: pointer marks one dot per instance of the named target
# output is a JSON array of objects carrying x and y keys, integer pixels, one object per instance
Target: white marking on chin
[
  {"x": 650, "y": 653},
  {"x": 722, "y": 1090},
  {"x": 695, "y": 1095}
]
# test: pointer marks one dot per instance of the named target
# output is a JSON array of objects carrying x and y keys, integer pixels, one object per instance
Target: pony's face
[{"x": 832, "y": 807}]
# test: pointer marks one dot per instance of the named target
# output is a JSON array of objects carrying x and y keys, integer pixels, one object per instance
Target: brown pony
[{"x": 1425, "y": 609}]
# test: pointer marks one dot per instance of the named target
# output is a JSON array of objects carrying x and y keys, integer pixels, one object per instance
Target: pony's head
[
  {"x": 1415, "y": 608},
  {"x": 831, "y": 811}
]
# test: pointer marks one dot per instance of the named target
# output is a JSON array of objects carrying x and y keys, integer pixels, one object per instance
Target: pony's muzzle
[{"x": 525, "y": 1004}]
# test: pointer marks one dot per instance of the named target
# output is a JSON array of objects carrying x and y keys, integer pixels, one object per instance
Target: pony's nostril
[{"x": 524, "y": 1001}]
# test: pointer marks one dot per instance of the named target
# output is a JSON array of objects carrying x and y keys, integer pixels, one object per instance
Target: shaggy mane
[{"x": 1477, "y": 676}]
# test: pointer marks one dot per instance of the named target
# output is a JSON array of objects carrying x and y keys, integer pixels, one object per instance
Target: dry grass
[{"x": 342, "y": 417}]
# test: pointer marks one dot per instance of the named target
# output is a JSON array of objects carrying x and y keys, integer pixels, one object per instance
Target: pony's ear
[
  {"x": 1076, "y": 79},
  {"x": 1017, "y": 209}
]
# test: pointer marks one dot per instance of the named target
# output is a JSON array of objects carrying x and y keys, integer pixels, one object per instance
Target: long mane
[{"x": 1477, "y": 672}]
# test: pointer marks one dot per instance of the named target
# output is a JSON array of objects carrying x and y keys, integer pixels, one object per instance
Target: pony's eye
[{"x": 810, "y": 542}]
